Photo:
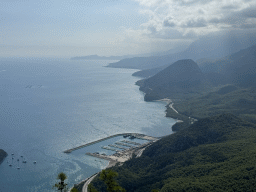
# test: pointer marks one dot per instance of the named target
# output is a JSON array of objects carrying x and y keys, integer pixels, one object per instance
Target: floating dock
[
  {"x": 132, "y": 135},
  {"x": 130, "y": 142}
]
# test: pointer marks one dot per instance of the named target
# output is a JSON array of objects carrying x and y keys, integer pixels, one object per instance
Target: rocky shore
[{"x": 3, "y": 154}]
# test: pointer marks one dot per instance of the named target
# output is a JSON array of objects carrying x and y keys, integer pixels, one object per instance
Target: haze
[{"x": 45, "y": 28}]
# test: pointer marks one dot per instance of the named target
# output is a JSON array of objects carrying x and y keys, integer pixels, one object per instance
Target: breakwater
[{"x": 131, "y": 135}]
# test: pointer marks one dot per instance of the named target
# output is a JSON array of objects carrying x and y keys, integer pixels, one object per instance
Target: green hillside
[
  {"x": 213, "y": 154},
  {"x": 182, "y": 79},
  {"x": 228, "y": 99}
]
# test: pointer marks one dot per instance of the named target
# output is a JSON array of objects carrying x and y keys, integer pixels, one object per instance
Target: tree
[
  {"x": 108, "y": 177},
  {"x": 91, "y": 188},
  {"x": 74, "y": 190},
  {"x": 61, "y": 185}
]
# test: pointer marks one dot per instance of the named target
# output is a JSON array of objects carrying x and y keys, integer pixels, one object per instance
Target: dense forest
[{"x": 213, "y": 154}]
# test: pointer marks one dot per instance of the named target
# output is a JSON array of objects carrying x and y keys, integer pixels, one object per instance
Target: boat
[
  {"x": 18, "y": 167},
  {"x": 34, "y": 162},
  {"x": 10, "y": 165}
]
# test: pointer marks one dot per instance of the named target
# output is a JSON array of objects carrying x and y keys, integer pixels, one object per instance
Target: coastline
[
  {"x": 3, "y": 155},
  {"x": 111, "y": 162},
  {"x": 118, "y": 157}
]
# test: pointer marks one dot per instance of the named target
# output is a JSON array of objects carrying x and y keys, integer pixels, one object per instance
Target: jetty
[
  {"x": 131, "y": 142},
  {"x": 125, "y": 135}
]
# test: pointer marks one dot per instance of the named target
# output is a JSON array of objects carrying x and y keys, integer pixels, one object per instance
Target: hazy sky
[{"x": 65, "y": 28}]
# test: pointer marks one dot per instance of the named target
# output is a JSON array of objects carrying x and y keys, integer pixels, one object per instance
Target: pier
[
  {"x": 123, "y": 144},
  {"x": 131, "y": 135},
  {"x": 131, "y": 142}
]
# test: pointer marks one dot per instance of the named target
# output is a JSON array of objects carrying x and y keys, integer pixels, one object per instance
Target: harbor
[{"x": 125, "y": 135}]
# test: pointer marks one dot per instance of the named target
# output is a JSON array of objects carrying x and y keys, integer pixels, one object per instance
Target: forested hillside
[
  {"x": 228, "y": 99},
  {"x": 182, "y": 78},
  {"x": 214, "y": 154}
]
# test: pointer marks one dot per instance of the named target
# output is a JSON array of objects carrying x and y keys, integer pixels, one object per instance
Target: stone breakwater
[{"x": 132, "y": 135}]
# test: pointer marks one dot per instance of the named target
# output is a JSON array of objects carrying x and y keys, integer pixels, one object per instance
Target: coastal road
[
  {"x": 171, "y": 106},
  {"x": 88, "y": 182}
]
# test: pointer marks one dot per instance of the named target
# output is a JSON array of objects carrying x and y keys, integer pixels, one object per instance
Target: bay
[{"x": 50, "y": 105}]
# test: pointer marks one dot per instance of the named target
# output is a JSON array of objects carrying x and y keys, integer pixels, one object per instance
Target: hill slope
[
  {"x": 181, "y": 78},
  {"x": 228, "y": 99},
  {"x": 238, "y": 68},
  {"x": 214, "y": 154}
]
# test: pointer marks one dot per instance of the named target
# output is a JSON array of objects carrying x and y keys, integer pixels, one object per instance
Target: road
[
  {"x": 171, "y": 106},
  {"x": 88, "y": 182}
]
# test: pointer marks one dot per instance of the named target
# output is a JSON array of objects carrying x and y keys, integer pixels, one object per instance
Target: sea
[{"x": 49, "y": 105}]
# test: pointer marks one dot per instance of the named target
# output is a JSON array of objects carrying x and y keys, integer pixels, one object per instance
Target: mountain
[
  {"x": 177, "y": 80},
  {"x": 149, "y": 72},
  {"x": 213, "y": 154},
  {"x": 211, "y": 46},
  {"x": 238, "y": 68},
  {"x": 96, "y": 57},
  {"x": 3, "y": 154}
]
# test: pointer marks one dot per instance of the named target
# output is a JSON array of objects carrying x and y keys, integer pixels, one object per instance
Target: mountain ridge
[{"x": 211, "y": 46}]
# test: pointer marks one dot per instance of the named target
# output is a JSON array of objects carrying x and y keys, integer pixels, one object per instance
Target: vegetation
[
  {"x": 213, "y": 154},
  {"x": 61, "y": 186},
  {"x": 183, "y": 79},
  {"x": 74, "y": 190},
  {"x": 238, "y": 101},
  {"x": 107, "y": 176},
  {"x": 3, "y": 154}
]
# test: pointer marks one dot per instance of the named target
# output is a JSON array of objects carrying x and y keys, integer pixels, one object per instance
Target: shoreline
[
  {"x": 3, "y": 155},
  {"x": 118, "y": 157}
]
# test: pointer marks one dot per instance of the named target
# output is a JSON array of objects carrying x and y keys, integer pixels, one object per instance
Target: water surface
[{"x": 50, "y": 105}]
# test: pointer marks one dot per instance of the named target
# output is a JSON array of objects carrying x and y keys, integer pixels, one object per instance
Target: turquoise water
[{"x": 51, "y": 105}]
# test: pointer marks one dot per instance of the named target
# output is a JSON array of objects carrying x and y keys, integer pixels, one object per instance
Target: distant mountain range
[
  {"x": 96, "y": 57},
  {"x": 212, "y": 46},
  {"x": 238, "y": 68},
  {"x": 186, "y": 77}
]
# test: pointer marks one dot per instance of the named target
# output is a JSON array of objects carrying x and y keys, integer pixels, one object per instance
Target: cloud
[{"x": 177, "y": 19}]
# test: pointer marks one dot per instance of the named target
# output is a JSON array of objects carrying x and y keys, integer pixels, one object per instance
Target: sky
[{"x": 67, "y": 28}]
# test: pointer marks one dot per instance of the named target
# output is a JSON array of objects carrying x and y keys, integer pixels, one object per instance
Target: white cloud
[{"x": 183, "y": 19}]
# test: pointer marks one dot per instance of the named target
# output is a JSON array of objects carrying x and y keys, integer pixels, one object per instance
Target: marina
[{"x": 125, "y": 135}]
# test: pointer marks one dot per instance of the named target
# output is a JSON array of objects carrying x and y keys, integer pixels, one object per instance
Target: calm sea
[{"x": 50, "y": 105}]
